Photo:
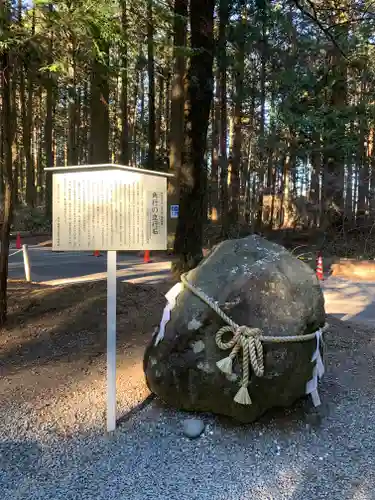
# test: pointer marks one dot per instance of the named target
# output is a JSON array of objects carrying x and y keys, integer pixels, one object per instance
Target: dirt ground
[
  {"x": 53, "y": 347},
  {"x": 55, "y": 338}
]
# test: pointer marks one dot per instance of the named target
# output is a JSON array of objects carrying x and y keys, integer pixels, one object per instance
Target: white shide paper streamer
[
  {"x": 318, "y": 371},
  {"x": 171, "y": 297}
]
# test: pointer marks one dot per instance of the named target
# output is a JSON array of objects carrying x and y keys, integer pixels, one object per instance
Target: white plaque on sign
[{"x": 110, "y": 209}]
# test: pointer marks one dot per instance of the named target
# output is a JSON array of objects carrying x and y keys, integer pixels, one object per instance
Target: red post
[
  {"x": 319, "y": 268},
  {"x": 96, "y": 253},
  {"x": 18, "y": 242},
  {"x": 146, "y": 257}
]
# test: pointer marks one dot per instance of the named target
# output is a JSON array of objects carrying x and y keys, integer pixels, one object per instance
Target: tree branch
[{"x": 314, "y": 18}]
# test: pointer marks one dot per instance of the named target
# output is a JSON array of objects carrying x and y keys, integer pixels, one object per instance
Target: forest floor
[
  {"x": 52, "y": 399},
  {"x": 55, "y": 335}
]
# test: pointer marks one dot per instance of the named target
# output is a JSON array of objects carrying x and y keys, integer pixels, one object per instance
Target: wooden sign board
[{"x": 108, "y": 207}]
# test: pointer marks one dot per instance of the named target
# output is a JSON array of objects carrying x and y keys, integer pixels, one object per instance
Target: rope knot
[
  {"x": 252, "y": 354},
  {"x": 249, "y": 332}
]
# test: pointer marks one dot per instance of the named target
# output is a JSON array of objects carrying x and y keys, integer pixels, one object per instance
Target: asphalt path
[
  {"x": 350, "y": 300},
  {"x": 345, "y": 299},
  {"x": 67, "y": 267}
]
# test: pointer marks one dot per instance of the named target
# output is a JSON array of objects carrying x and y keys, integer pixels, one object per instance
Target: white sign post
[
  {"x": 109, "y": 207},
  {"x": 111, "y": 339}
]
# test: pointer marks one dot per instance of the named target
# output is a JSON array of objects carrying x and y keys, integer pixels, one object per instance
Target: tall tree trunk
[
  {"x": 362, "y": 157},
  {"x": 176, "y": 135},
  {"x": 151, "y": 88},
  {"x": 193, "y": 206},
  {"x": 159, "y": 117},
  {"x": 334, "y": 158},
  {"x": 27, "y": 120},
  {"x": 99, "y": 115},
  {"x": 16, "y": 193},
  {"x": 237, "y": 121},
  {"x": 178, "y": 93},
  {"x": 85, "y": 136},
  {"x": 263, "y": 58},
  {"x": 314, "y": 192},
  {"x": 223, "y": 160},
  {"x": 288, "y": 172},
  {"x": 48, "y": 130},
  {"x": 142, "y": 142},
  {"x": 214, "y": 184},
  {"x": 125, "y": 156},
  {"x": 8, "y": 127},
  {"x": 73, "y": 112},
  {"x": 167, "y": 114},
  {"x": 26, "y": 110},
  {"x": 371, "y": 152},
  {"x": 134, "y": 134}
]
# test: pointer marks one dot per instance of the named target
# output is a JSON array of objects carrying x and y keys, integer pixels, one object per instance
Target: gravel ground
[{"x": 52, "y": 444}]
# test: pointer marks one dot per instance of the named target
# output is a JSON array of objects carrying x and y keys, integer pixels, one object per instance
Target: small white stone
[{"x": 193, "y": 427}]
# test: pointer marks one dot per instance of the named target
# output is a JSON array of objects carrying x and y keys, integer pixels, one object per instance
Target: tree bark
[
  {"x": 363, "y": 159},
  {"x": 193, "y": 202},
  {"x": 176, "y": 134},
  {"x": 214, "y": 184},
  {"x": 178, "y": 91},
  {"x": 8, "y": 128},
  {"x": 334, "y": 157},
  {"x": 223, "y": 160},
  {"x": 73, "y": 112},
  {"x": 125, "y": 157},
  {"x": 151, "y": 88},
  {"x": 314, "y": 191},
  {"x": 27, "y": 121},
  {"x": 99, "y": 115},
  {"x": 263, "y": 58},
  {"x": 237, "y": 121},
  {"x": 48, "y": 131}
]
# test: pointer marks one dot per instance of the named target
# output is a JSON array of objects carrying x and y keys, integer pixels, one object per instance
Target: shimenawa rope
[{"x": 245, "y": 337}]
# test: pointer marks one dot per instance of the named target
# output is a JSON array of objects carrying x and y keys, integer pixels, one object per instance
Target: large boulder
[{"x": 256, "y": 283}]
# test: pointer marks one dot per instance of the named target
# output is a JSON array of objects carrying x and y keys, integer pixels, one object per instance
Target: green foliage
[{"x": 30, "y": 219}]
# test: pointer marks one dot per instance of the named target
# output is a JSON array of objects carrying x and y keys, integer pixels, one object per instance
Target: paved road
[
  {"x": 66, "y": 267},
  {"x": 348, "y": 300}
]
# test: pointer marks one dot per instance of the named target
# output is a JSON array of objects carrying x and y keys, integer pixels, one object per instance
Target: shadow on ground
[{"x": 47, "y": 324}]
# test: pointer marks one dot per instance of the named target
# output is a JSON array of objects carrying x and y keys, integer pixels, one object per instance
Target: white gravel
[{"x": 57, "y": 450}]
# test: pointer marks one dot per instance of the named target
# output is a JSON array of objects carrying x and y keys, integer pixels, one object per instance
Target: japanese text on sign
[{"x": 120, "y": 210}]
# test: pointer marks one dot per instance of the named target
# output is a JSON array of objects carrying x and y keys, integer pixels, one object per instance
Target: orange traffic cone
[
  {"x": 18, "y": 242},
  {"x": 96, "y": 253},
  {"x": 146, "y": 257},
  {"x": 319, "y": 268}
]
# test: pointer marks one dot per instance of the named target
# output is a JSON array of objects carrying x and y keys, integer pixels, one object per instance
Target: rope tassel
[
  {"x": 242, "y": 397},
  {"x": 252, "y": 354},
  {"x": 225, "y": 365}
]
